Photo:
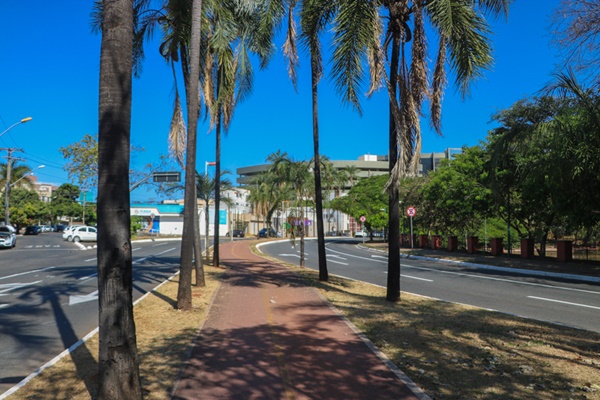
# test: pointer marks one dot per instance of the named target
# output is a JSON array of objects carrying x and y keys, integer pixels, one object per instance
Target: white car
[
  {"x": 81, "y": 234},
  {"x": 361, "y": 234},
  {"x": 7, "y": 239}
]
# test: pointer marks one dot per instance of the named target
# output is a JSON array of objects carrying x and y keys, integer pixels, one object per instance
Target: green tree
[
  {"x": 64, "y": 202},
  {"x": 118, "y": 364},
  {"x": 463, "y": 38},
  {"x": 82, "y": 164},
  {"x": 457, "y": 195},
  {"x": 366, "y": 198},
  {"x": 26, "y": 208}
]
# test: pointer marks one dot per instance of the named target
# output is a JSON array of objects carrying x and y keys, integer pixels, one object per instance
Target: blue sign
[{"x": 222, "y": 217}]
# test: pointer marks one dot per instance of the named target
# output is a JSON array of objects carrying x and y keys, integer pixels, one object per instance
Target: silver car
[{"x": 8, "y": 237}]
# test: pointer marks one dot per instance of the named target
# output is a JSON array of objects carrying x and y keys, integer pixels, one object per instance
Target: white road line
[
  {"x": 563, "y": 302},
  {"x": 7, "y": 287},
  {"x": 90, "y": 259},
  {"x": 504, "y": 280},
  {"x": 415, "y": 277},
  {"x": 337, "y": 262},
  {"x": 336, "y": 256},
  {"x": 26, "y": 273},
  {"x": 289, "y": 255}
]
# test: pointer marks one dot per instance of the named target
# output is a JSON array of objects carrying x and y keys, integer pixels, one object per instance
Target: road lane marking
[
  {"x": 7, "y": 287},
  {"x": 26, "y": 273},
  {"x": 504, "y": 280},
  {"x": 337, "y": 262},
  {"x": 289, "y": 255},
  {"x": 416, "y": 277},
  {"x": 76, "y": 299},
  {"x": 564, "y": 302},
  {"x": 336, "y": 256}
]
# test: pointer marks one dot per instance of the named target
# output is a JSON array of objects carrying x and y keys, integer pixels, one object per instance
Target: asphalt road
[
  {"x": 559, "y": 301},
  {"x": 48, "y": 296}
]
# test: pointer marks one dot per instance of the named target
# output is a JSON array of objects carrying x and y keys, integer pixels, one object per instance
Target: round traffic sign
[
  {"x": 411, "y": 211},
  {"x": 363, "y": 218}
]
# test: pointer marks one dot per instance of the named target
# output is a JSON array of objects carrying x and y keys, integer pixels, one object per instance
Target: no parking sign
[{"x": 411, "y": 211}]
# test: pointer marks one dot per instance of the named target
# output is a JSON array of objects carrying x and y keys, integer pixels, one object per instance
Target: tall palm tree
[
  {"x": 463, "y": 38},
  {"x": 236, "y": 30},
  {"x": 295, "y": 176},
  {"x": 18, "y": 172},
  {"x": 118, "y": 364},
  {"x": 190, "y": 236},
  {"x": 315, "y": 15}
]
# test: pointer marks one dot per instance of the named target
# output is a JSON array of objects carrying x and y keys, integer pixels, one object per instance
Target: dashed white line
[{"x": 564, "y": 302}]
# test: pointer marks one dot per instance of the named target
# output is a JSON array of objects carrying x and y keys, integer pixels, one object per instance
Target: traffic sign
[
  {"x": 411, "y": 211},
  {"x": 363, "y": 218}
]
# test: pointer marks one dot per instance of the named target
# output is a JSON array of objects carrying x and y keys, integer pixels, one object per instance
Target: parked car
[
  {"x": 33, "y": 230},
  {"x": 270, "y": 232},
  {"x": 82, "y": 234},
  {"x": 59, "y": 228},
  {"x": 8, "y": 236},
  {"x": 362, "y": 234},
  {"x": 68, "y": 232},
  {"x": 46, "y": 228},
  {"x": 237, "y": 233}
]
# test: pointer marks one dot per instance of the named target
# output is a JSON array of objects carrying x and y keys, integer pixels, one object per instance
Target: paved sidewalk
[{"x": 269, "y": 336}]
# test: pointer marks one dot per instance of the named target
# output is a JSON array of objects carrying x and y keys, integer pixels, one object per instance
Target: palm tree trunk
[
  {"x": 393, "y": 279},
  {"x": 118, "y": 364},
  {"x": 217, "y": 189},
  {"x": 200, "y": 279},
  {"x": 184, "y": 292},
  {"x": 323, "y": 275}
]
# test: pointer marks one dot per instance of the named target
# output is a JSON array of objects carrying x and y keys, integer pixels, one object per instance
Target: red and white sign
[
  {"x": 411, "y": 211},
  {"x": 363, "y": 218}
]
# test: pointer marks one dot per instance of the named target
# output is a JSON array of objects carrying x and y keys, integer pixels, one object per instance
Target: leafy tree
[
  {"x": 463, "y": 37},
  {"x": 118, "y": 364},
  {"x": 82, "y": 164},
  {"x": 526, "y": 165},
  {"x": 64, "y": 202},
  {"x": 26, "y": 208},
  {"x": 457, "y": 194},
  {"x": 366, "y": 198}
]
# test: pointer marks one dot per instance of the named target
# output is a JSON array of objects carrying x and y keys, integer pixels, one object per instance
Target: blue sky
[{"x": 50, "y": 66}]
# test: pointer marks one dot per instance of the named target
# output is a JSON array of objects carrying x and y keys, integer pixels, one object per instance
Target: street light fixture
[
  {"x": 30, "y": 173},
  {"x": 16, "y": 123}
]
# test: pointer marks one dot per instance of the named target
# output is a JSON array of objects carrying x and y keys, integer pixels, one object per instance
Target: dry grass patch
[
  {"x": 459, "y": 352},
  {"x": 164, "y": 338}
]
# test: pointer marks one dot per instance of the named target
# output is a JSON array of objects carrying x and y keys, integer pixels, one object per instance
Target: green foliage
[
  {"x": 136, "y": 224},
  {"x": 366, "y": 198}
]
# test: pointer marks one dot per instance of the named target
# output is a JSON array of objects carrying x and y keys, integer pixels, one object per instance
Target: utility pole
[{"x": 9, "y": 160}]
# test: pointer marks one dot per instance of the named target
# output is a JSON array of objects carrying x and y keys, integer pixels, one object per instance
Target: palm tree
[
  {"x": 118, "y": 365},
  {"x": 462, "y": 31},
  {"x": 18, "y": 172},
  {"x": 295, "y": 176},
  {"x": 235, "y": 32}
]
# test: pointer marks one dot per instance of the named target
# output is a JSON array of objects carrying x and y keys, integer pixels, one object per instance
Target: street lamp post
[{"x": 8, "y": 171}]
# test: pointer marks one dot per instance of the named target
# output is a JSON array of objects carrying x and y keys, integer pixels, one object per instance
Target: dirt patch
[{"x": 164, "y": 338}]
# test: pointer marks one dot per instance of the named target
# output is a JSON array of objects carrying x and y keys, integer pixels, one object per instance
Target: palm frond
[
  {"x": 177, "y": 132},
  {"x": 438, "y": 86},
  {"x": 352, "y": 30},
  {"x": 466, "y": 33}
]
